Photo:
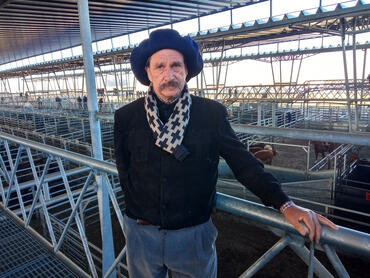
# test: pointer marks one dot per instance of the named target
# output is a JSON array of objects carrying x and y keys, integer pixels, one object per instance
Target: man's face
[{"x": 167, "y": 72}]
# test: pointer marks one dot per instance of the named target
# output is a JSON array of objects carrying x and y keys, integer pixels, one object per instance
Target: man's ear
[{"x": 186, "y": 70}]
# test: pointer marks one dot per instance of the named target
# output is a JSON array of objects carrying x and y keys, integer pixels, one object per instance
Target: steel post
[
  {"x": 259, "y": 113},
  {"x": 104, "y": 210},
  {"x": 266, "y": 257},
  {"x": 304, "y": 254},
  {"x": 308, "y": 151},
  {"x": 363, "y": 79},
  {"x": 342, "y": 20},
  {"x": 355, "y": 73},
  {"x": 335, "y": 261},
  {"x": 311, "y": 260},
  {"x": 273, "y": 111}
]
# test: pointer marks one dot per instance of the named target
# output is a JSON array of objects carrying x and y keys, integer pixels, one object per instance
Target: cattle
[
  {"x": 266, "y": 154},
  {"x": 323, "y": 148},
  {"x": 254, "y": 149},
  {"x": 320, "y": 148}
]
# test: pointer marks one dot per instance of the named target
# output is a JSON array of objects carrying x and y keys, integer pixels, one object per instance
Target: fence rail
[{"x": 344, "y": 239}]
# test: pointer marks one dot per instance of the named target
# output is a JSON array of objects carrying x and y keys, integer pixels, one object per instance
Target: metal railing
[
  {"x": 326, "y": 160},
  {"x": 14, "y": 148}
]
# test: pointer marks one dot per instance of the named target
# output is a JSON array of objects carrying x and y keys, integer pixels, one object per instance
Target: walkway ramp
[{"x": 22, "y": 255}]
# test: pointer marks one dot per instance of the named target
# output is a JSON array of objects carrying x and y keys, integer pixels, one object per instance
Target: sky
[{"x": 251, "y": 72}]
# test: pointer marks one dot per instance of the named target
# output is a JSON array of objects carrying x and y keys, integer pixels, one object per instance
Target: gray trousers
[{"x": 187, "y": 252}]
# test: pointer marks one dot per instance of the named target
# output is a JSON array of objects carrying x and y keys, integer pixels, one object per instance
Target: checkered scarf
[{"x": 170, "y": 135}]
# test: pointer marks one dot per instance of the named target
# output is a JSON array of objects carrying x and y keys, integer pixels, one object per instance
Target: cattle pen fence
[{"x": 60, "y": 188}]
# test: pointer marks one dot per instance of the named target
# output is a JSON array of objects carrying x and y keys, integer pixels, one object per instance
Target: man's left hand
[{"x": 303, "y": 219}]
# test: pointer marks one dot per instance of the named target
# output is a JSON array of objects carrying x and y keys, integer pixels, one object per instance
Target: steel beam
[
  {"x": 362, "y": 139},
  {"x": 342, "y": 21},
  {"x": 103, "y": 199}
]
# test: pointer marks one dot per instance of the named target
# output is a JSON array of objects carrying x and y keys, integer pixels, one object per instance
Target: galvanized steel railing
[{"x": 16, "y": 150}]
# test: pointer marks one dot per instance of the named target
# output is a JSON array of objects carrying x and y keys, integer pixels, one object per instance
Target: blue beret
[{"x": 165, "y": 39}]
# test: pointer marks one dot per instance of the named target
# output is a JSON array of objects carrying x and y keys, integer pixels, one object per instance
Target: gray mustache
[{"x": 171, "y": 83}]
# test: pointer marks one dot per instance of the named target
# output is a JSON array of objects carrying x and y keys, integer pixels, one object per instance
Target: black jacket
[{"x": 173, "y": 194}]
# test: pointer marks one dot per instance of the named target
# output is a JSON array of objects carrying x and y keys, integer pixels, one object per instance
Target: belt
[{"x": 144, "y": 223}]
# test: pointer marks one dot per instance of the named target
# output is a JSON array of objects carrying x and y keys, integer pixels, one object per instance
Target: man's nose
[{"x": 169, "y": 74}]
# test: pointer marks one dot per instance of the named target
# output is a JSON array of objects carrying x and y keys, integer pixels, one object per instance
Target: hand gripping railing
[{"x": 344, "y": 239}]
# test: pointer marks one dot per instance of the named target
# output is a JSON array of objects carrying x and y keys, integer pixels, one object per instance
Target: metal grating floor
[{"x": 21, "y": 255}]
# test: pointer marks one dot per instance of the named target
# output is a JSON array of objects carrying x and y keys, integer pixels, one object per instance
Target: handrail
[
  {"x": 102, "y": 166},
  {"x": 224, "y": 202},
  {"x": 296, "y": 133},
  {"x": 306, "y": 134},
  {"x": 344, "y": 239},
  {"x": 348, "y": 240}
]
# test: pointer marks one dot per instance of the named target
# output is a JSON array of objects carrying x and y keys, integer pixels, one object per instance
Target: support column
[
  {"x": 102, "y": 193},
  {"x": 355, "y": 73},
  {"x": 259, "y": 113},
  {"x": 25, "y": 82},
  {"x": 273, "y": 77},
  {"x": 363, "y": 82},
  {"x": 115, "y": 90},
  {"x": 273, "y": 111},
  {"x": 346, "y": 75},
  {"x": 57, "y": 81}
]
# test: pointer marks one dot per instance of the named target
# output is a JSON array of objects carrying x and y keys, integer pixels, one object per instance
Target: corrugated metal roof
[
  {"x": 288, "y": 27},
  {"x": 305, "y": 23},
  {"x": 31, "y": 27}
]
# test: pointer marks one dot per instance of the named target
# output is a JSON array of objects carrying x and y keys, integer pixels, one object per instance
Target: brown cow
[
  {"x": 265, "y": 156},
  {"x": 270, "y": 148},
  {"x": 254, "y": 149},
  {"x": 323, "y": 148},
  {"x": 320, "y": 148}
]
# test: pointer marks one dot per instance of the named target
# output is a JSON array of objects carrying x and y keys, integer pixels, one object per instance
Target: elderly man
[{"x": 167, "y": 148}]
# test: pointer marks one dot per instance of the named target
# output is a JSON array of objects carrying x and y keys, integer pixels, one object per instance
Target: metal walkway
[{"x": 22, "y": 255}]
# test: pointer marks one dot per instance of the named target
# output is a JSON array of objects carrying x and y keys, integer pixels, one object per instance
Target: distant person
[
  {"x": 100, "y": 103},
  {"x": 100, "y": 92},
  {"x": 79, "y": 101},
  {"x": 85, "y": 102},
  {"x": 167, "y": 147},
  {"x": 39, "y": 102},
  {"x": 289, "y": 117},
  {"x": 58, "y": 100}
]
